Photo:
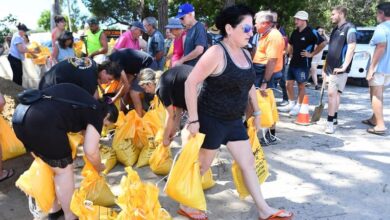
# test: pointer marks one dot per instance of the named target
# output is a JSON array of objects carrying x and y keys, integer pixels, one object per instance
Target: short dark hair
[
  {"x": 232, "y": 15},
  {"x": 385, "y": 7},
  {"x": 342, "y": 9},
  {"x": 112, "y": 68},
  {"x": 66, "y": 35},
  {"x": 58, "y": 18},
  {"x": 109, "y": 109}
]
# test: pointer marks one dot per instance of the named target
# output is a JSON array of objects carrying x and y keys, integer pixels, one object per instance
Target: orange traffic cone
[{"x": 303, "y": 117}]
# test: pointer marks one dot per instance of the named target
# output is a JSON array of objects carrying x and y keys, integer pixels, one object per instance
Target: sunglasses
[{"x": 246, "y": 28}]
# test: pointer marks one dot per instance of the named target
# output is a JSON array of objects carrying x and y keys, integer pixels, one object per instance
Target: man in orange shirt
[{"x": 268, "y": 59}]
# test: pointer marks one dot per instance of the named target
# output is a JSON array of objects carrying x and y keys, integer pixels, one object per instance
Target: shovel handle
[{"x": 322, "y": 91}]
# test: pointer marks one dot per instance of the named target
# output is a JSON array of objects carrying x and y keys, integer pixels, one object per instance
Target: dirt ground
[{"x": 9, "y": 89}]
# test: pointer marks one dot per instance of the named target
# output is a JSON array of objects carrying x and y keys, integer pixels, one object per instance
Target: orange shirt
[{"x": 270, "y": 45}]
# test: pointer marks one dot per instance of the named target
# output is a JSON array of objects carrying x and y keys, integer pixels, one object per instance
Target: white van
[{"x": 362, "y": 57}]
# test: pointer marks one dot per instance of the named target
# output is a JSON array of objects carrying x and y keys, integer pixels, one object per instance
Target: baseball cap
[
  {"x": 302, "y": 15},
  {"x": 92, "y": 20},
  {"x": 139, "y": 25},
  {"x": 174, "y": 23},
  {"x": 184, "y": 9}
]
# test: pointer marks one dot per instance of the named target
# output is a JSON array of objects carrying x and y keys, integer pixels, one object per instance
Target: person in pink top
[
  {"x": 177, "y": 30},
  {"x": 130, "y": 38}
]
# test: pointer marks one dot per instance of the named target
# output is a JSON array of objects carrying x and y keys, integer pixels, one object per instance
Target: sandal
[
  {"x": 368, "y": 122},
  {"x": 377, "y": 132},
  {"x": 9, "y": 172},
  {"x": 190, "y": 215},
  {"x": 277, "y": 217}
]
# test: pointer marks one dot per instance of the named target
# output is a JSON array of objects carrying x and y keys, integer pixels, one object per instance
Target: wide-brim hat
[
  {"x": 174, "y": 23},
  {"x": 139, "y": 25}
]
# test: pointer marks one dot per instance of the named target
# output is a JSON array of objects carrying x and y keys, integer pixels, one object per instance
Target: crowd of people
[{"x": 212, "y": 78}]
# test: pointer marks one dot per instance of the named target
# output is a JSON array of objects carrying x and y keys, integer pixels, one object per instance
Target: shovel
[{"x": 318, "y": 109}]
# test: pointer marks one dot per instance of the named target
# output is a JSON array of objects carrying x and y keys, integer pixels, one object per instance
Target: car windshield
[{"x": 364, "y": 36}]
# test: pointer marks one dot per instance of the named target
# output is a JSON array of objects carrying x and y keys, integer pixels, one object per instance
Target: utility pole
[
  {"x": 69, "y": 18},
  {"x": 55, "y": 10}
]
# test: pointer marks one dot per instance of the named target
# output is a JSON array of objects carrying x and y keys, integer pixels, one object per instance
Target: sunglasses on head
[{"x": 246, "y": 28}]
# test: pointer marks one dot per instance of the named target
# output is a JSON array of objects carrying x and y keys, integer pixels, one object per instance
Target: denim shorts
[
  {"x": 299, "y": 74},
  {"x": 220, "y": 131}
]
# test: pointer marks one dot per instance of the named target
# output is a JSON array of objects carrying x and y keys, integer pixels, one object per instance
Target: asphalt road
[{"x": 315, "y": 175}]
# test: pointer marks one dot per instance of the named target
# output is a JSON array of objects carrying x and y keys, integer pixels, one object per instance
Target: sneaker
[
  {"x": 282, "y": 103},
  {"x": 335, "y": 122},
  {"x": 263, "y": 142},
  {"x": 317, "y": 87},
  {"x": 271, "y": 139},
  {"x": 287, "y": 107},
  {"x": 294, "y": 111},
  {"x": 329, "y": 128}
]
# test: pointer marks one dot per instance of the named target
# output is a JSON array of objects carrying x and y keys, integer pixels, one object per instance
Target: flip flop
[
  {"x": 190, "y": 215},
  {"x": 10, "y": 173},
  {"x": 377, "y": 132},
  {"x": 277, "y": 217},
  {"x": 368, "y": 122}
]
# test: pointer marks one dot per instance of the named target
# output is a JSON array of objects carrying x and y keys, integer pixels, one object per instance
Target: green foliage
[
  {"x": 6, "y": 23},
  {"x": 44, "y": 20}
]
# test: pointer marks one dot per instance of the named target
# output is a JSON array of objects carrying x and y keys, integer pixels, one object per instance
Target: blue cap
[
  {"x": 184, "y": 9},
  {"x": 174, "y": 23},
  {"x": 139, "y": 25}
]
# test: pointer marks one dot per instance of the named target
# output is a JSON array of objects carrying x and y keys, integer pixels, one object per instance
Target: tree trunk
[
  {"x": 55, "y": 10},
  {"x": 140, "y": 10},
  {"x": 162, "y": 15},
  {"x": 229, "y": 3}
]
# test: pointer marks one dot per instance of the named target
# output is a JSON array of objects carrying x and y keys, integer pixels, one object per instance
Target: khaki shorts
[
  {"x": 380, "y": 79},
  {"x": 337, "y": 82}
]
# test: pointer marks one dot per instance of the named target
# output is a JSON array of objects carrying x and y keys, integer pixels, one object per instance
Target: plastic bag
[
  {"x": 275, "y": 114},
  {"x": 266, "y": 118},
  {"x": 10, "y": 145},
  {"x": 184, "y": 183},
  {"x": 85, "y": 209},
  {"x": 95, "y": 186},
  {"x": 126, "y": 152},
  {"x": 75, "y": 140},
  {"x": 207, "y": 180},
  {"x": 139, "y": 200},
  {"x": 261, "y": 165},
  {"x": 108, "y": 158},
  {"x": 38, "y": 182},
  {"x": 161, "y": 160},
  {"x": 146, "y": 153}
]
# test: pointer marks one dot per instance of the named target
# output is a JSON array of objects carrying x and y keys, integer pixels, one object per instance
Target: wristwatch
[{"x": 264, "y": 81}]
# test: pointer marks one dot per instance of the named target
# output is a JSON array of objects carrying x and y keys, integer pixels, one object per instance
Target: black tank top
[{"x": 225, "y": 96}]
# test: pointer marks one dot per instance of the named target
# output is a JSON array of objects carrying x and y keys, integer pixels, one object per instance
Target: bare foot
[{"x": 275, "y": 213}]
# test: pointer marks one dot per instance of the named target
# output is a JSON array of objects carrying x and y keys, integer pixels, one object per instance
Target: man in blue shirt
[
  {"x": 155, "y": 42},
  {"x": 196, "y": 39},
  {"x": 378, "y": 74},
  {"x": 341, "y": 48}
]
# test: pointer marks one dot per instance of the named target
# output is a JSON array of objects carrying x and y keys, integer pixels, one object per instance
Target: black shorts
[
  {"x": 45, "y": 138},
  {"x": 219, "y": 131}
]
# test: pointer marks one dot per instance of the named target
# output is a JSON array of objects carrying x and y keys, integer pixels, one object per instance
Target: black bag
[{"x": 30, "y": 96}]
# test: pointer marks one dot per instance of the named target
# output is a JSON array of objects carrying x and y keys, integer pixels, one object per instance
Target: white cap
[{"x": 302, "y": 15}]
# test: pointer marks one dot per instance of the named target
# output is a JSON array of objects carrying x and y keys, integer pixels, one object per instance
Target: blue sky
[{"x": 29, "y": 11}]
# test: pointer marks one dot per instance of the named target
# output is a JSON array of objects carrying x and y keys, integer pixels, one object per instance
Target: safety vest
[{"x": 93, "y": 41}]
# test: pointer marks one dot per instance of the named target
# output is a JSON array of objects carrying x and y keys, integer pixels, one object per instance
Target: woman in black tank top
[{"x": 228, "y": 84}]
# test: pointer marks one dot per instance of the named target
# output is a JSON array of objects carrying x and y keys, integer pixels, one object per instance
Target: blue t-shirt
[
  {"x": 155, "y": 45},
  {"x": 196, "y": 35},
  {"x": 16, "y": 39},
  {"x": 382, "y": 35}
]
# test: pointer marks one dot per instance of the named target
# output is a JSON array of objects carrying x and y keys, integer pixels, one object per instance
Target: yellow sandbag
[
  {"x": 146, "y": 153},
  {"x": 275, "y": 114},
  {"x": 126, "y": 152},
  {"x": 207, "y": 180},
  {"x": 96, "y": 187},
  {"x": 85, "y": 209},
  {"x": 38, "y": 182},
  {"x": 161, "y": 160},
  {"x": 108, "y": 157},
  {"x": 266, "y": 118},
  {"x": 10, "y": 145},
  {"x": 139, "y": 200},
  {"x": 261, "y": 166},
  {"x": 78, "y": 48},
  {"x": 184, "y": 183},
  {"x": 75, "y": 140}
]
